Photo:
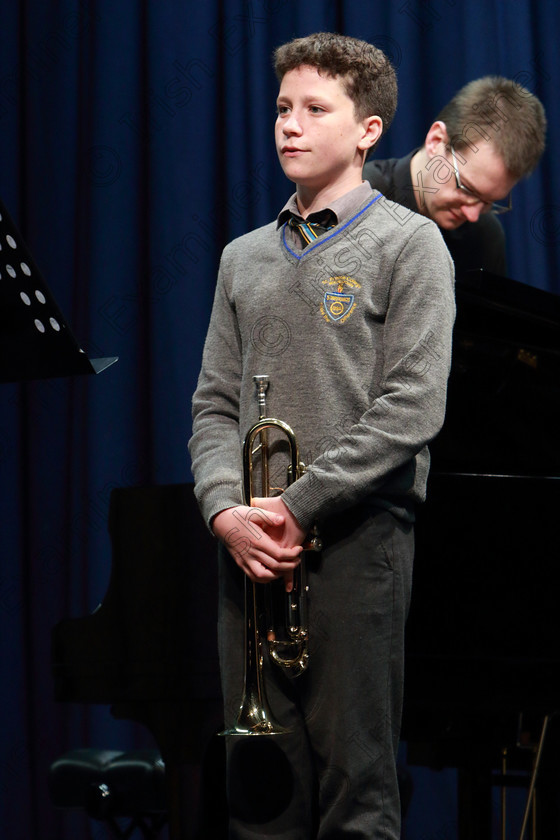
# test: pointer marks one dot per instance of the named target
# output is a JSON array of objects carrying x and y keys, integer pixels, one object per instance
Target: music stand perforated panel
[{"x": 36, "y": 342}]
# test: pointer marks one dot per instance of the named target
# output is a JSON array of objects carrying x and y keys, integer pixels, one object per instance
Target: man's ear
[
  {"x": 373, "y": 129},
  {"x": 437, "y": 134}
]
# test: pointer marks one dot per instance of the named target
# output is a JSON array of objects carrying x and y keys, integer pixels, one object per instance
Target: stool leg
[
  {"x": 117, "y": 831},
  {"x": 531, "y": 793},
  {"x": 150, "y": 827},
  {"x": 474, "y": 803}
]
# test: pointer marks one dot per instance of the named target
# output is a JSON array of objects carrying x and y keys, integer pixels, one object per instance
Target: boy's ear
[
  {"x": 437, "y": 134},
  {"x": 373, "y": 129}
]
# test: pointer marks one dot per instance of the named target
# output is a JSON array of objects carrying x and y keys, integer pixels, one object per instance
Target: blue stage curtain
[{"x": 136, "y": 139}]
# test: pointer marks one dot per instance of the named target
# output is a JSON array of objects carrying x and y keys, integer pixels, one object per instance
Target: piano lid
[
  {"x": 503, "y": 404},
  {"x": 488, "y": 304}
]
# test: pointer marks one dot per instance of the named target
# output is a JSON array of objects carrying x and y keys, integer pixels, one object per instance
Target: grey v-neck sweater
[{"x": 355, "y": 334}]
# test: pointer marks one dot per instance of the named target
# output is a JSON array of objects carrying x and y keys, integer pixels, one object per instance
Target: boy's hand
[
  {"x": 292, "y": 534},
  {"x": 258, "y": 540},
  {"x": 289, "y": 533}
]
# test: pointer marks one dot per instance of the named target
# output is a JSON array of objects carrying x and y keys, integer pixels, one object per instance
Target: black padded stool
[{"x": 109, "y": 785}]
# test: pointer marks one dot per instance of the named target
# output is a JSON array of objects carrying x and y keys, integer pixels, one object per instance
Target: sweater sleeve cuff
[
  {"x": 218, "y": 498},
  {"x": 305, "y": 497}
]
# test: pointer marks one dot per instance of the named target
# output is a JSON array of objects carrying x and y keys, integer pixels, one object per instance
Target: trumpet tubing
[{"x": 287, "y": 637}]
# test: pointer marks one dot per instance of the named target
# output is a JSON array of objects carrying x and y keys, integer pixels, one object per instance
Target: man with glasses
[{"x": 488, "y": 137}]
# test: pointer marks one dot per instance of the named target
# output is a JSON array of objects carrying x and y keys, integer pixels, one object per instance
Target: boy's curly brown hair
[{"x": 365, "y": 71}]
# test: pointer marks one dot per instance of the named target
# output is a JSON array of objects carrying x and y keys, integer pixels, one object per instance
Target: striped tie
[{"x": 311, "y": 230}]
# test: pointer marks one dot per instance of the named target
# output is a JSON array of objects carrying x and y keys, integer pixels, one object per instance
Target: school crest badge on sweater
[{"x": 339, "y": 299}]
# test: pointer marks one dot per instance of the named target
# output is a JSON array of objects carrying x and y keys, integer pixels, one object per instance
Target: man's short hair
[
  {"x": 368, "y": 77},
  {"x": 502, "y": 112}
]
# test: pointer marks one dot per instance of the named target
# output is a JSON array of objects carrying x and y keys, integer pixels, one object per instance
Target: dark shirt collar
[{"x": 343, "y": 208}]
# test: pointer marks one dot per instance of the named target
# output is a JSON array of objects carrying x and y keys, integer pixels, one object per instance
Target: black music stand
[{"x": 35, "y": 340}]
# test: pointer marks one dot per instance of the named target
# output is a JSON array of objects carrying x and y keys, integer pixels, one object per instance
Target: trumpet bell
[{"x": 255, "y": 718}]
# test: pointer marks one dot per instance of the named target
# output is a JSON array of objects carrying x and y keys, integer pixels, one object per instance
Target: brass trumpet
[{"x": 288, "y": 643}]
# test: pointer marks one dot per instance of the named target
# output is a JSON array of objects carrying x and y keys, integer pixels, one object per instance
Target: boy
[{"x": 354, "y": 330}]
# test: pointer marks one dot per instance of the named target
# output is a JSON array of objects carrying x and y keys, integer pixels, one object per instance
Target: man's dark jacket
[{"x": 474, "y": 245}]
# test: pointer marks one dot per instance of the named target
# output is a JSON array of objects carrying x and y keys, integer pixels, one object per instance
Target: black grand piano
[{"x": 483, "y": 638}]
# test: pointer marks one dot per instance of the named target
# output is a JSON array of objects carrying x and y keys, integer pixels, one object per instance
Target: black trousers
[{"x": 334, "y": 775}]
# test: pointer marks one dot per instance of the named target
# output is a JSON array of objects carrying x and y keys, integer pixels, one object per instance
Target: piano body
[
  {"x": 483, "y": 635},
  {"x": 483, "y": 632}
]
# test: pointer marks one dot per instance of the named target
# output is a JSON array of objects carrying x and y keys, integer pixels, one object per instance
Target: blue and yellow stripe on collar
[{"x": 323, "y": 239}]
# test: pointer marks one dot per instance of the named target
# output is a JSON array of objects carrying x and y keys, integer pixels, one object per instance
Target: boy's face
[{"x": 319, "y": 141}]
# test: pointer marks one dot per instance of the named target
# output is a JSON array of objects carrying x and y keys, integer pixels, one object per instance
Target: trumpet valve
[{"x": 313, "y": 541}]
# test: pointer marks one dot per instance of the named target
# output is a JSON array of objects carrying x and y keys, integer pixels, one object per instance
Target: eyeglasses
[{"x": 494, "y": 207}]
